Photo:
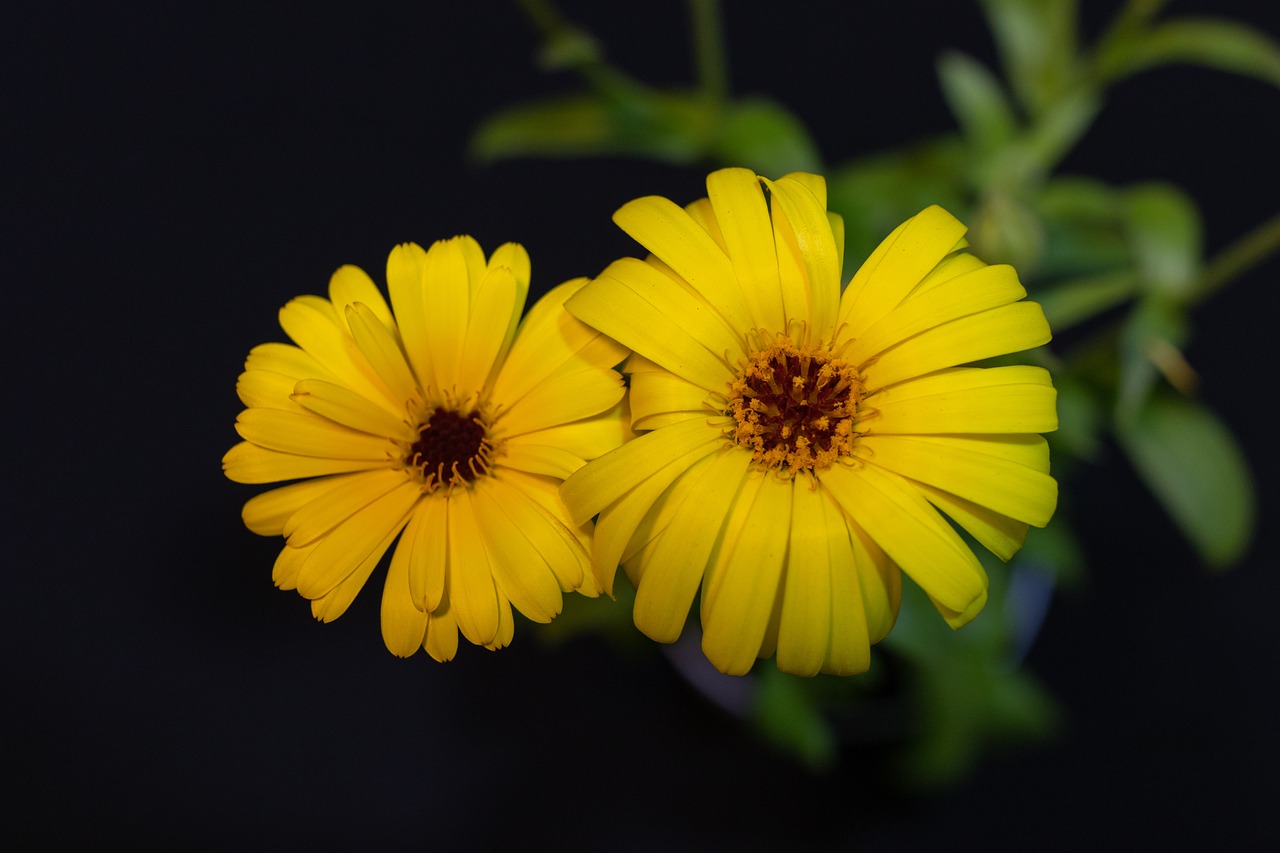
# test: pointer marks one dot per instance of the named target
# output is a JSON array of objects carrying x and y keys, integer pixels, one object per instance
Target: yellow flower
[
  {"x": 797, "y": 443},
  {"x": 449, "y": 423}
]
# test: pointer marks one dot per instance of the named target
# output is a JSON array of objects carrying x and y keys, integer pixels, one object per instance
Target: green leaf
[
  {"x": 1156, "y": 327},
  {"x": 1164, "y": 232},
  {"x": 661, "y": 126},
  {"x": 1003, "y": 230},
  {"x": 978, "y": 102},
  {"x": 1037, "y": 43},
  {"x": 1211, "y": 42},
  {"x": 786, "y": 714},
  {"x": 761, "y": 135},
  {"x": 1192, "y": 464},
  {"x": 1083, "y": 236},
  {"x": 1077, "y": 300}
]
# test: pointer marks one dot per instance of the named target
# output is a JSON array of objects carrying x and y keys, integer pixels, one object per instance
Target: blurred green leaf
[
  {"x": 1074, "y": 301},
  {"x": 662, "y": 126},
  {"x": 1037, "y": 44},
  {"x": 978, "y": 102},
  {"x": 786, "y": 714},
  {"x": 1164, "y": 231},
  {"x": 1156, "y": 326},
  {"x": 1056, "y": 132},
  {"x": 1083, "y": 237},
  {"x": 1192, "y": 464},
  {"x": 763, "y": 136},
  {"x": 1215, "y": 43},
  {"x": 1004, "y": 230}
]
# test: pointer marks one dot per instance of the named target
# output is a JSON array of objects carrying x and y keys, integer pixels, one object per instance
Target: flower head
[
  {"x": 449, "y": 423},
  {"x": 798, "y": 445}
]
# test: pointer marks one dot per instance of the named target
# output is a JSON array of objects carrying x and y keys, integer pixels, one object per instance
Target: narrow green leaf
[
  {"x": 1155, "y": 327},
  {"x": 1037, "y": 43},
  {"x": 761, "y": 135},
  {"x": 663, "y": 127},
  {"x": 1215, "y": 43},
  {"x": 978, "y": 102},
  {"x": 1165, "y": 235},
  {"x": 1192, "y": 464}
]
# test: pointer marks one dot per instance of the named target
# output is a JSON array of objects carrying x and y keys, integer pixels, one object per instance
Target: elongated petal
[
  {"x": 904, "y": 258},
  {"x": 673, "y": 236},
  {"x": 1011, "y": 399},
  {"x": 448, "y": 298},
  {"x": 268, "y": 513},
  {"x": 426, "y": 546},
  {"x": 471, "y": 591},
  {"x": 350, "y": 285},
  {"x": 738, "y": 203},
  {"x": 561, "y": 400},
  {"x": 879, "y": 583},
  {"x": 267, "y": 389},
  {"x": 406, "y": 275},
  {"x": 659, "y": 397},
  {"x": 812, "y": 247},
  {"x": 805, "y": 630},
  {"x": 616, "y": 308},
  {"x": 998, "y": 533},
  {"x": 310, "y": 322},
  {"x": 749, "y": 573},
  {"x": 570, "y": 557},
  {"x": 345, "y": 548},
  {"x": 586, "y": 438},
  {"x": 691, "y": 515},
  {"x": 404, "y": 626},
  {"x": 310, "y": 435},
  {"x": 849, "y": 645},
  {"x": 1007, "y": 329},
  {"x": 320, "y": 515},
  {"x": 284, "y": 573},
  {"x": 494, "y": 311},
  {"x": 381, "y": 350},
  {"x": 911, "y": 532},
  {"x": 350, "y": 409},
  {"x": 519, "y": 567},
  {"x": 600, "y": 483},
  {"x": 988, "y": 480},
  {"x": 248, "y": 463},
  {"x": 292, "y": 361},
  {"x": 442, "y": 633},
  {"x": 335, "y": 602}
]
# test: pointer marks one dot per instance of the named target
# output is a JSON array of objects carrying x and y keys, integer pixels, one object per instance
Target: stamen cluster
[
  {"x": 452, "y": 449},
  {"x": 794, "y": 406}
]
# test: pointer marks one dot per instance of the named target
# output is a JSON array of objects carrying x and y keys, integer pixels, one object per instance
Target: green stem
[
  {"x": 1238, "y": 258},
  {"x": 576, "y": 49},
  {"x": 709, "y": 51}
]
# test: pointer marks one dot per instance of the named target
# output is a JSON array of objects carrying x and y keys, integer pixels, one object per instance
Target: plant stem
[
  {"x": 1238, "y": 258},
  {"x": 709, "y": 52}
]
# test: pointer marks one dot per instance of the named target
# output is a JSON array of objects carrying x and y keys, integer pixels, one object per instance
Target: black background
[{"x": 173, "y": 173}]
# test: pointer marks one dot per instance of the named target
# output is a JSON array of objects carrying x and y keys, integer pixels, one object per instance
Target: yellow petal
[
  {"x": 310, "y": 435},
  {"x": 426, "y": 550},
  {"x": 738, "y": 203},
  {"x": 904, "y": 258},
  {"x": 406, "y": 271},
  {"x": 988, "y": 287},
  {"x": 472, "y": 595},
  {"x": 620, "y": 521},
  {"x": 804, "y": 633},
  {"x": 603, "y": 481},
  {"x": 988, "y": 480},
  {"x": 747, "y": 578},
  {"x": 506, "y": 625},
  {"x": 350, "y": 285},
  {"x": 268, "y": 513},
  {"x": 910, "y": 531},
  {"x": 347, "y": 547},
  {"x": 267, "y": 389},
  {"x": 294, "y": 362},
  {"x": 682, "y": 244},
  {"x": 334, "y": 603},
  {"x": 326, "y": 511},
  {"x": 404, "y": 626},
  {"x": 442, "y": 633},
  {"x": 551, "y": 342},
  {"x": 351, "y": 409},
  {"x": 380, "y": 349},
  {"x": 1007, "y": 329},
  {"x": 663, "y": 327},
  {"x": 248, "y": 463},
  {"x": 520, "y": 569},
  {"x": 659, "y": 397},
  {"x": 691, "y": 516},
  {"x": 569, "y": 558},
  {"x": 998, "y": 533},
  {"x": 495, "y": 309},
  {"x": 448, "y": 301},
  {"x": 848, "y": 649},
  {"x": 513, "y": 257},
  {"x": 809, "y": 242},
  {"x": 586, "y": 438},
  {"x": 288, "y": 563},
  {"x": 310, "y": 322},
  {"x": 1010, "y": 399},
  {"x": 561, "y": 399},
  {"x": 879, "y": 583}
]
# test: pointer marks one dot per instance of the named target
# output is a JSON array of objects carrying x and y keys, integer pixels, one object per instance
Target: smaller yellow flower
[{"x": 448, "y": 423}]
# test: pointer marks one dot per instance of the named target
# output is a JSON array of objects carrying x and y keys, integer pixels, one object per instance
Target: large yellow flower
[
  {"x": 797, "y": 443},
  {"x": 450, "y": 423}
]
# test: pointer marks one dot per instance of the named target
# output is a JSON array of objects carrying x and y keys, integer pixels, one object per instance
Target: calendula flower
[
  {"x": 799, "y": 446},
  {"x": 449, "y": 423}
]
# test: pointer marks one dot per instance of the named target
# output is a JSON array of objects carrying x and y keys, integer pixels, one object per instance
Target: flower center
[
  {"x": 452, "y": 449},
  {"x": 794, "y": 406}
]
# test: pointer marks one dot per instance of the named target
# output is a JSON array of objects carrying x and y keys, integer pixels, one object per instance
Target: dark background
[{"x": 173, "y": 173}]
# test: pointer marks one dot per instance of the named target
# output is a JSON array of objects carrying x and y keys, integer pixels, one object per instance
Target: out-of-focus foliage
[{"x": 1122, "y": 266}]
